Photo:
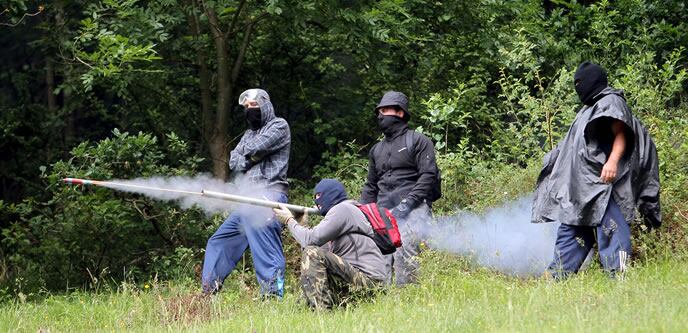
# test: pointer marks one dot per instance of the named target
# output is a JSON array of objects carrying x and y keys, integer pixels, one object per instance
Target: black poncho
[{"x": 569, "y": 189}]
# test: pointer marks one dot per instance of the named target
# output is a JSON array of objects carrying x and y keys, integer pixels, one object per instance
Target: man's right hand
[{"x": 283, "y": 214}]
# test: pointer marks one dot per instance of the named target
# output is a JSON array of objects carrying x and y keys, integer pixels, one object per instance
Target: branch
[
  {"x": 242, "y": 51},
  {"x": 681, "y": 213},
  {"x": 244, "y": 45},
  {"x": 83, "y": 62},
  {"x": 235, "y": 18},
  {"x": 40, "y": 10},
  {"x": 212, "y": 19},
  {"x": 152, "y": 220}
]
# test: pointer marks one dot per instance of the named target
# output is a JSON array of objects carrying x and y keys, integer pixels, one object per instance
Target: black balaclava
[
  {"x": 253, "y": 117},
  {"x": 589, "y": 80},
  {"x": 331, "y": 192},
  {"x": 390, "y": 125}
]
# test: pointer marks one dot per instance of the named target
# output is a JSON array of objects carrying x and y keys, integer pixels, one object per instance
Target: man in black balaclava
[
  {"x": 402, "y": 176},
  {"x": 591, "y": 183},
  {"x": 590, "y": 79}
]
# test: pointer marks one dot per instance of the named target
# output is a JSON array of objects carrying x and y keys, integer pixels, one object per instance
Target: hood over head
[
  {"x": 589, "y": 80},
  {"x": 267, "y": 112},
  {"x": 332, "y": 192},
  {"x": 395, "y": 98},
  {"x": 610, "y": 91}
]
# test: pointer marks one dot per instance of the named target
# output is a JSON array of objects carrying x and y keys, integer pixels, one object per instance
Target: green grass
[{"x": 453, "y": 296}]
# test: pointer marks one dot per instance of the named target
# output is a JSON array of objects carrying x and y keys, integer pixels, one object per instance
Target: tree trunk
[
  {"x": 218, "y": 137},
  {"x": 50, "y": 85},
  {"x": 204, "y": 80},
  {"x": 50, "y": 97},
  {"x": 68, "y": 133},
  {"x": 227, "y": 75}
]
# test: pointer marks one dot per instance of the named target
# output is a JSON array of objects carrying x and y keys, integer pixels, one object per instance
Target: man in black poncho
[{"x": 605, "y": 166}]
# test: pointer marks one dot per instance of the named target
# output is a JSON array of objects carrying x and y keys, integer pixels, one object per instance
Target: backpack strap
[
  {"x": 410, "y": 138},
  {"x": 361, "y": 209}
]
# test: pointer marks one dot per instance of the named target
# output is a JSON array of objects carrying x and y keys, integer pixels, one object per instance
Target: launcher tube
[
  {"x": 209, "y": 194},
  {"x": 257, "y": 202}
]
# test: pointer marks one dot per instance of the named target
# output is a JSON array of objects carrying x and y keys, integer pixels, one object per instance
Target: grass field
[{"x": 453, "y": 296}]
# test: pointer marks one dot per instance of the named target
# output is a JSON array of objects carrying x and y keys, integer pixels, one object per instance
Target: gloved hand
[
  {"x": 283, "y": 214},
  {"x": 254, "y": 158},
  {"x": 651, "y": 221},
  {"x": 403, "y": 209}
]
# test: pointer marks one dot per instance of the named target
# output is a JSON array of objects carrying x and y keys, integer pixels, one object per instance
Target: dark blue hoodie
[{"x": 332, "y": 192}]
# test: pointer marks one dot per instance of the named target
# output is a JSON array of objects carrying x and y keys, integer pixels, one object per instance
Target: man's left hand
[
  {"x": 283, "y": 214},
  {"x": 402, "y": 210},
  {"x": 608, "y": 172}
]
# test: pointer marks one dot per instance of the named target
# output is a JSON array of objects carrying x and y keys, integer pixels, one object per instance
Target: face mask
[
  {"x": 589, "y": 80},
  {"x": 388, "y": 123},
  {"x": 253, "y": 118},
  {"x": 329, "y": 193}
]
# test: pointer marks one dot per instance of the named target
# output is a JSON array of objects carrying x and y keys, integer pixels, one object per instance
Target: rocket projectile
[{"x": 78, "y": 181}]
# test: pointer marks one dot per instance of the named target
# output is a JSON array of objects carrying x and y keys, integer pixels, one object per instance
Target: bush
[{"x": 74, "y": 236}]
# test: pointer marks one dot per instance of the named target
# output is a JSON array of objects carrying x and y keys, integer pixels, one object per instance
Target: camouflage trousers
[{"x": 328, "y": 281}]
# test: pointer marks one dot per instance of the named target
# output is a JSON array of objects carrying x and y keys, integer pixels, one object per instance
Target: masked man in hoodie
[
  {"x": 603, "y": 169},
  {"x": 340, "y": 258},
  {"x": 403, "y": 177},
  {"x": 262, "y": 156}
]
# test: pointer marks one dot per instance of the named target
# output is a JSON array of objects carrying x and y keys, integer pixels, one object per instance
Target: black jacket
[{"x": 395, "y": 174}]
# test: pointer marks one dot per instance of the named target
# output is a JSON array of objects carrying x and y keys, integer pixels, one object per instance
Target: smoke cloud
[
  {"x": 502, "y": 238},
  {"x": 194, "y": 185}
]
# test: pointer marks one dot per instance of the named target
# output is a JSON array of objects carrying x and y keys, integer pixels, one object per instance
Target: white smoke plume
[
  {"x": 240, "y": 186},
  {"x": 502, "y": 238}
]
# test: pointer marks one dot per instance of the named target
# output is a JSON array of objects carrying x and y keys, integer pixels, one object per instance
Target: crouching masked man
[
  {"x": 403, "y": 177},
  {"x": 262, "y": 156},
  {"x": 340, "y": 259},
  {"x": 605, "y": 166}
]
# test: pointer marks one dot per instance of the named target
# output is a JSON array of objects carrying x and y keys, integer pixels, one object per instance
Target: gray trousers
[{"x": 403, "y": 266}]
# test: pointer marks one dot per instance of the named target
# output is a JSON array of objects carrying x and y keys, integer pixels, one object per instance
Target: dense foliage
[{"x": 490, "y": 82}]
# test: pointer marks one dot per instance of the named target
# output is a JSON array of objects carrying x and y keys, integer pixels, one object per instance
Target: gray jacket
[
  {"x": 349, "y": 235},
  {"x": 264, "y": 154}
]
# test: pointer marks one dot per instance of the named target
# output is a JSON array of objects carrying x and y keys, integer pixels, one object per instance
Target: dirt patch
[{"x": 186, "y": 309}]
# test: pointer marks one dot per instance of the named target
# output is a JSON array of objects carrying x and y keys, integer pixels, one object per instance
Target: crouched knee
[
  {"x": 311, "y": 251},
  {"x": 310, "y": 254}
]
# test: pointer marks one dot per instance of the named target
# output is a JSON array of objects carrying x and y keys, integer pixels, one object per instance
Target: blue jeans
[
  {"x": 257, "y": 229},
  {"x": 573, "y": 243}
]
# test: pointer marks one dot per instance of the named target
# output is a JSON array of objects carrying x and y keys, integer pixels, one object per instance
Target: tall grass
[{"x": 452, "y": 296}]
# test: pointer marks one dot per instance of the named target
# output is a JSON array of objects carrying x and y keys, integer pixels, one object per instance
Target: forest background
[{"x": 126, "y": 89}]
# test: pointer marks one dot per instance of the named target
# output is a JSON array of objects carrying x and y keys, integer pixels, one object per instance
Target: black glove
[
  {"x": 651, "y": 216},
  {"x": 403, "y": 209},
  {"x": 651, "y": 221}
]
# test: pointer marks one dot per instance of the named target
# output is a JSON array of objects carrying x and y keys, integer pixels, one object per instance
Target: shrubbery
[{"x": 72, "y": 235}]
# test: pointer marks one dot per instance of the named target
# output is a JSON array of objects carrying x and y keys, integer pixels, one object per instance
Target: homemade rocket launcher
[{"x": 203, "y": 193}]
